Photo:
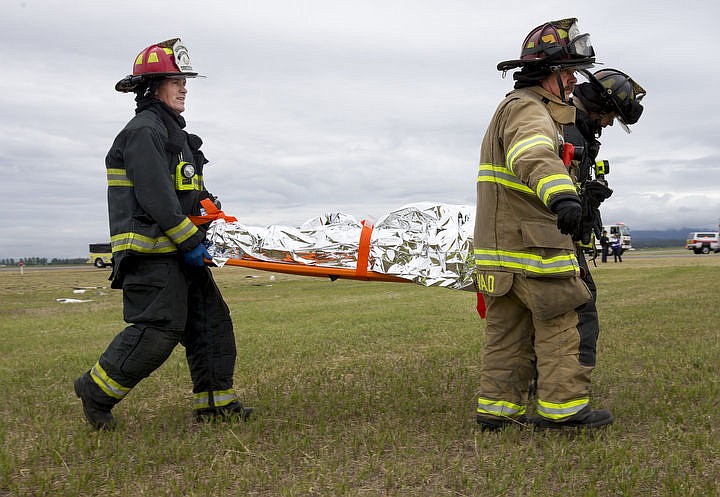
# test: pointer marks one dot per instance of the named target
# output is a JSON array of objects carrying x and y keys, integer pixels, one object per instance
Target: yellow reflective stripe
[
  {"x": 499, "y": 408},
  {"x": 140, "y": 243},
  {"x": 224, "y": 397},
  {"x": 159, "y": 245},
  {"x": 532, "y": 263},
  {"x": 107, "y": 384},
  {"x": 553, "y": 184},
  {"x": 500, "y": 174},
  {"x": 118, "y": 177},
  {"x": 523, "y": 145},
  {"x": 184, "y": 230},
  {"x": 562, "y": 410},
  {"x": 202, "y": 400},
  {"x": 220, "y": 398}
]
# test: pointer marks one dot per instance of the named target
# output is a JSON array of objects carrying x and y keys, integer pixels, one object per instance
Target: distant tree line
[{"x": 40, "y": 261}]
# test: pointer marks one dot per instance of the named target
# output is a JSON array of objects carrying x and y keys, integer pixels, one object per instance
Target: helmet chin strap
[{"x": 561, "y": 86}]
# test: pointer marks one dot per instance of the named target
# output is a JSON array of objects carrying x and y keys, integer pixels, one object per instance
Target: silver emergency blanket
[{"x": 428, "y": 244}]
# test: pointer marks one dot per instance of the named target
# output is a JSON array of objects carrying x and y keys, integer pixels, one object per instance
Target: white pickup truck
[{"x": 703, "y": 242}]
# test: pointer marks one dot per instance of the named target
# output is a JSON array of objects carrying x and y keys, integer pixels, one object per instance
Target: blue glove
[{"x": 197, "y": 255}]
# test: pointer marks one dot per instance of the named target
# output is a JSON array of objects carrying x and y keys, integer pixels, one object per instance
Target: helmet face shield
[
  {"x": 580, "y": 46},
  {"x": 623, "y": 94},
  {"x": 629, "y": 112},
  {"x": 616, "y": 92}
]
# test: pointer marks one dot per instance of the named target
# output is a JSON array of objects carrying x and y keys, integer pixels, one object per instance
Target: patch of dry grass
[{"x": 361, "y": 389}]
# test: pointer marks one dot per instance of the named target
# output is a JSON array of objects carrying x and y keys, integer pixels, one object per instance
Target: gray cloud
[{"x": 313, "y": 107}]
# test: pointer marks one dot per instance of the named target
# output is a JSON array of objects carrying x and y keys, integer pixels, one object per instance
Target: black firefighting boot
[
  {"x": 97, "y": 413},
  {"x": 587, "y": 418},
  {"x": 495, "y": 423},
  {"x": 234, "y": 410}
]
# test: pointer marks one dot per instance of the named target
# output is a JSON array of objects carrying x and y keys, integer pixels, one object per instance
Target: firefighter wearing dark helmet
[
  {"x": 608, "y": 95},
  {"x": 527, "y": 210},
  {"x": 155, "y": 182}
]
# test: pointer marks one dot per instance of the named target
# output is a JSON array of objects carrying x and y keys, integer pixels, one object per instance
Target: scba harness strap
[{"x": 187, "y": 174}]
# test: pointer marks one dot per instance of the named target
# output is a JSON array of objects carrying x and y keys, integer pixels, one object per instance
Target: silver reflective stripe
[
  {"x": 107, "y": 384},
  {"x": 555, "y": 184},
  {"x": 220, "y": 398},
  {"x": 499, "y": 407},
  {"x": 118, "y": 177},
  {"x": 566, "y": 263},
  {"x": 563, "y": 410},
  {"x": 523, "y": 145},
  {"x": 501, "y": 175},
  {"x": 184, "y": 230},
  {"x": 140, "y": 243},
  {"x": 201, "y": 400},
  {"x": 224, "y": 398}
]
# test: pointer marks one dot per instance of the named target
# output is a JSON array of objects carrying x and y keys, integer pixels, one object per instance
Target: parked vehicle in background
[
  {"x": 100, "y": 254},
  {"x": 620, "y": 229},
  {"x": 703, "y": 242}
]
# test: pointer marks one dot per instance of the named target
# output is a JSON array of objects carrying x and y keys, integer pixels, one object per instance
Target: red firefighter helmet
[
  {"x": 167, "y": 59},
  {"x": 555, "y": 44}
]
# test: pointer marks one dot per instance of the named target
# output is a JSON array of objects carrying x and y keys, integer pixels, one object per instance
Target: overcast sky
[{"x": 337, "y": 106}]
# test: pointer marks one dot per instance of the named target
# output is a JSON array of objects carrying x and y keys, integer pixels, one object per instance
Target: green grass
[{"x": 362, "y": 389}]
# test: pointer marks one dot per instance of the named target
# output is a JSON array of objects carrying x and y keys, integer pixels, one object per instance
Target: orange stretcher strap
[
  {"x": 363, "y": 250},
  {"x": 359, "y": 273},
  {"x": 481, "y": 306},
  {"x": 211, "y": 214}
]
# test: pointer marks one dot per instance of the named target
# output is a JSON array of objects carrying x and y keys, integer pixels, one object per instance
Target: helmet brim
[
  {"x": 128, "y": 84},
  {"x": 131, "y": 83},
  {"x": 550, "y": 66},
  {"x": 506, "y": 65}
]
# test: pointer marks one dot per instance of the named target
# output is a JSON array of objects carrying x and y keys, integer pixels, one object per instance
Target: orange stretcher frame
[
  {"x": 318, "y": 271},
  {"x": 361, "y": 272}
]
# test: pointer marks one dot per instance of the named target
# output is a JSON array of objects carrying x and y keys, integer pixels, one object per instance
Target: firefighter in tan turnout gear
[
  {"x": 155, "y": 182},
  {"x": 528, "y": 210}
]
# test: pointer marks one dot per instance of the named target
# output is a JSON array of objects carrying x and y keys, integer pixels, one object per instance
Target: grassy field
[{"x": 362, "y": 389}]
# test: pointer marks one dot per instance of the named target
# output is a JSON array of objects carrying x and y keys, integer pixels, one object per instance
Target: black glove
[
  {"x": 569, "y": 215},
  {"x": 591, "y": 223},
  {"x": 593, "y": 194},
  {"x": 206, "y": 194},
  {"x": 596, "y": 192}
]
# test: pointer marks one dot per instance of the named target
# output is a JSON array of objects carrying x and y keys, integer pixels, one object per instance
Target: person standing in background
[
  {"x": 617, "y": 248},
  {"x": 604, "y": 246}
]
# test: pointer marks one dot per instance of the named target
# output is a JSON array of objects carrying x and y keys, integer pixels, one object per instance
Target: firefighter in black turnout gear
[
  {"x": 609, "y": 94},
  {"x": 155, "y": 181}
]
